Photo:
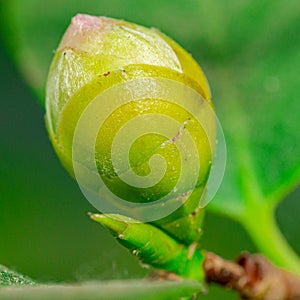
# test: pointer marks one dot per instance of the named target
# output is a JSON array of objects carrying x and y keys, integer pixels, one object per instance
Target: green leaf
[
  {"x": 250, "y": 51},
  {"x": 109, "y": 290},
  {"x": 11, "y": 278},
  {"x": 259, "y": 110},
  {"x": 16, "y": 286}
]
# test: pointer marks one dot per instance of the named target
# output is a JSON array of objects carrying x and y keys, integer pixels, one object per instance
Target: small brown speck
[
  {"x": 106, "y": 74},
  {"x": 191, "y": 250},
  {"x": 182, "y": 196}
]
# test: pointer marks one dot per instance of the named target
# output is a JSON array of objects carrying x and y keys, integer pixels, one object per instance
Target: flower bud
[{"x": 96, "y": 57}]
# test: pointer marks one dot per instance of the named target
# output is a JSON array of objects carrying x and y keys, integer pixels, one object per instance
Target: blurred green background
[{"x": 45, "y": 232}]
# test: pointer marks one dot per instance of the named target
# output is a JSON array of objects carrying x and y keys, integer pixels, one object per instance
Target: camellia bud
[{"x": 127, "y": 106}]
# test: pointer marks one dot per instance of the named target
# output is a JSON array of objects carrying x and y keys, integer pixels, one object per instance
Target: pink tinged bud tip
[
  {"x": 81, "y": 22},
  {"x": 82, "y": 26}
]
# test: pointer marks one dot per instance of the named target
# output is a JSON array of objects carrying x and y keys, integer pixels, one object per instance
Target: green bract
[
  {"x": 95, "y": 55},
  {"x": 154, "y": 246}
]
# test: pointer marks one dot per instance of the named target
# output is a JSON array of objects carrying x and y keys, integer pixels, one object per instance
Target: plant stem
[
  {"x": 263, "y": 229},
  {"x": 253, "y": 276}
]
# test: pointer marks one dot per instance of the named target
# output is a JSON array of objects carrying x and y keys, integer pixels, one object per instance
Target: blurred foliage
[
  {"x": 10, "y": 278},
  {"x": 108, "y": 290},
  {"x": 250, "y": 53}
]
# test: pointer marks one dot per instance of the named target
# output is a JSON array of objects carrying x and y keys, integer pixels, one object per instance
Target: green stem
[{"x": 264, "y": 231}]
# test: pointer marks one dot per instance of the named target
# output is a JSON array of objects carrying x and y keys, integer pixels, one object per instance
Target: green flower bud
[{"x": 97, "y": 55}]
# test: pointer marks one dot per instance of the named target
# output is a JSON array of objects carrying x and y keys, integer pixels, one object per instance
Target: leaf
[
  {"x": 250, "y": 51},
  {"x": 11, "y": 278},
  {"x": 16, "y": 286},
  {"x": 260, "y": 117},
  {"x": 109, "y": 290}
]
